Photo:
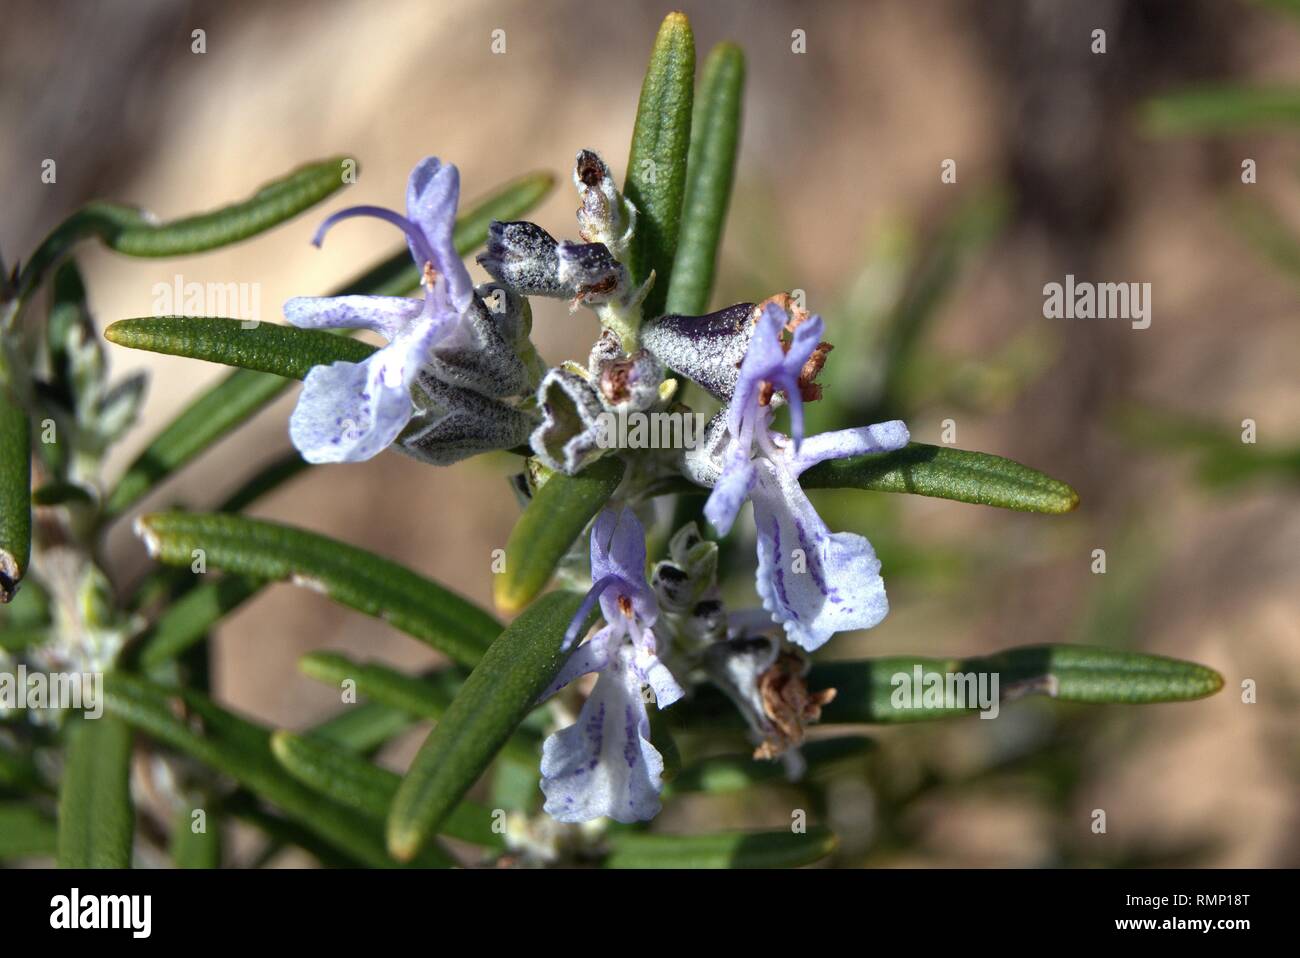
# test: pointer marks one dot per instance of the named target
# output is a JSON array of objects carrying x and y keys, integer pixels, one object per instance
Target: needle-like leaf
[{"x": 348, "y": 575}]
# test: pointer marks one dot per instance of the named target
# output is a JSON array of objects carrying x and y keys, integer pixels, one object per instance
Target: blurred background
[{"x": 933, "y": 296}]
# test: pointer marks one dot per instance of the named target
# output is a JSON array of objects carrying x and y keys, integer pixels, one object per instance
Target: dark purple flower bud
[
  {"x": 480, "y": 354},
  {"x": 589, "y": 272},
  {"x": 524, "y": 257},
  {"x": 707, "y": 350},
  {"x": 458, "y": 423}
]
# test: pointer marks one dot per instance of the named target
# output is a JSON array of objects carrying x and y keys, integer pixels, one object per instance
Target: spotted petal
[
  {"x": 814, "y": 583},
  {"x": 350, "y": 412},
  {"x": 604, "y": 765},
  {"x": 881, "y": 437},
  {"x": 386, "y": 315}
]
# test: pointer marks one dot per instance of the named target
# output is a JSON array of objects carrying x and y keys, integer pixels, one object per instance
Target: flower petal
[
  {"x": 386, "y": 315},
  {"x": 348, "y": 412},
  {"x": 806, "y": 337},
  {"x": 651, "y": 671},
  {"x": 618, "y": 549},
  {"x": 731, "y": 489},
  {"x": 814, "y": 583},
  {"x": 764, "y": 361},
  {"x": 431, "y": 197},
  {"x": 881, "y": 437},
  {"x": 591, "y": 656},
  {"x": 604, "y": 764}
]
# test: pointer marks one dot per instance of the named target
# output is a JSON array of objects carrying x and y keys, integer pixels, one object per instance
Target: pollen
[{"x": 625, "y": 606}]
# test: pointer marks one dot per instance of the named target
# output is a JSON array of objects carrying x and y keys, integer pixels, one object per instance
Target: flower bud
[
  {"x": 480, "y": 354},
  {"x": 571, "y": 434},
  {"x": 459, "y": 423},
  {"x": 707, "y": 350},
  {"x": 589, "y": 272},
  {"x": 523, "y": 257},
  {"x": 623, "y": 383},
  {"x": 601, "y": 217}
]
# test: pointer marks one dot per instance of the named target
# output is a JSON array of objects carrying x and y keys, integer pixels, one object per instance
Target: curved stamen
[
  {"x": 579, "y": 617},
  {"x": 413, "y": 232}
]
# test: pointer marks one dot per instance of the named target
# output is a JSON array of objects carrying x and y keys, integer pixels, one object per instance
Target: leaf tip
[
  {"x": 281, "y": 740},
  {"x": 1214, "y": 681},
  {"x": 403, "y": 841},
  {"x": 113, "y": 332},
  {"x": 146, "y": 532},
  {"x": 507, "y": 597}
]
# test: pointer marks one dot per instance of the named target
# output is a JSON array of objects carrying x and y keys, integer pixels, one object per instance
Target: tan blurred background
[{"x": 841, "y": 144}]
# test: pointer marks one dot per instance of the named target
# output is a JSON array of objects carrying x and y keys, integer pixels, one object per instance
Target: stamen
[
  {"x": 571, "y": 634},
  {"x": 809, "y": 390},
  {"x": 625, "y": 606},
  {"x": 412, "y": 231}
]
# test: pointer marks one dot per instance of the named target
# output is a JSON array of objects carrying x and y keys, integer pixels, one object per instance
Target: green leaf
[
  {"x": 96, "y": 817},
  {"x": 131, "y": 231},
  {"x": 777, "y": 849},
  {"x": 720, "y": 774},
  {"x": 1223, "y": 459},
  {"x": 656, "y": 165},
  {"x": 196, "y": 849},
  {"x": 352, "y": 781},
  {"x": 552, "y": 521},
  {"x": 25, "y": 832},
  {"x": 61, "y": 494},
  {"x": 363, "y": 728},
  {"x": 184, "y": 623},
  {"x": 1222, "y": 110},
  {"x": 866, "y": 690},
  {"x": 16, "y": 639},
  {"x": 348, "y": 575},
  {"x": 267, "y": 347},
  {"x": 231, "y": 402},
  {"x": 15, "y": 491},
  {"x": 946, "y": 473},
  {"x": 214, "y": 414},
  {"x": 500, "y": 691},
  {"x": 715, "y": 138},
  {"x": 242, "y": 750}
]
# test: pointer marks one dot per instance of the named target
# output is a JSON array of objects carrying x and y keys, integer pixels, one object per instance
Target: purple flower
[
  {"x": 814, "y": 582},
  {"x": 604, "y": 764},
  {"x": 349, "y": 412}
]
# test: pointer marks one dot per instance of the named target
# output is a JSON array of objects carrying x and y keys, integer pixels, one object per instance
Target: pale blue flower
[
  {"x": 604, "y": 765},
  {"x": 349, "y": 412},
  {"x": 812, "y": 581}
]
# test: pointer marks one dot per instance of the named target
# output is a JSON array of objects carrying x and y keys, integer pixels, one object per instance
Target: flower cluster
[{"x": 459, "y": 376}]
